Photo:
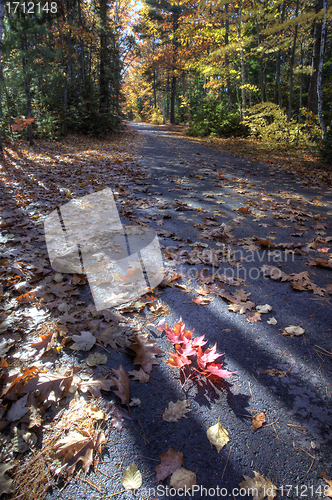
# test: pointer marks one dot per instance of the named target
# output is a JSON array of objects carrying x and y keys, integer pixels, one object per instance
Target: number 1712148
[{"x": 32, "y": 7}]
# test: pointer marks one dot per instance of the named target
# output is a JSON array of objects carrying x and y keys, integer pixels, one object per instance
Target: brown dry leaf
[
  {"x": 218, "y": 436},
  {"x": 18, "y": 409},
  {"x": 258, "y": 420},
  {"x": 145, "y": 352},
  {"x": 241, "y": 306},
  {"x": 263, "y": 487},
  {"x": 182, "y": 479},
  {"x": 266, "y": 243},
  {"x": 96, "y": 358},
  {"x": 114, "y": 336},
  {"x": 273, "y": 372},
  {"x": 5, "y": 481},
  {"x": 320, "y": 262},
  {"x": 94, "y": 386},
  {"x": 76, "y": 448},
  {"x": 140, "y": 375},
  {"x": 117, "y": 414},
  {"x": 327, "y": 491},
  {"x": 253, "y": 317},
  {"x": 202, "y": 290},
  {"x": 293, "y": 331},
  {"x": 132, "y": 276},
  {"x": 170, "y": 462},
  {"x": 316, "y": 289},
  {"x": 176, "y": 410},
  {"x": 83, "y": 342},
  {"x": 47, "y": 384},
  {"x": 122, "y": 382},
  {"x": 46, "y": 343}
]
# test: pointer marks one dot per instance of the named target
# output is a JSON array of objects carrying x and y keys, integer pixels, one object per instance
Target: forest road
[{"x": 216, "y": 212}]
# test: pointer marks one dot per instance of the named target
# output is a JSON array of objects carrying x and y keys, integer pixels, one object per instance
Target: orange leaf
[{"x": 258, "y": 420}]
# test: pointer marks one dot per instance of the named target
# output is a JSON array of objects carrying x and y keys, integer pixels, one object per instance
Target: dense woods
[
  {"x": 234, "y": 68},
  {"x": 226, "y": 69},
  {"x": 61, "y": 67}
]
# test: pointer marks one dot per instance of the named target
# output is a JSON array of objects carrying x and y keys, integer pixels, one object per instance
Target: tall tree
[{"x": 2, "y": 12}]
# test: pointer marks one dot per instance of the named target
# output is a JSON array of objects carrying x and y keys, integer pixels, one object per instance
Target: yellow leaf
[
  {"x": 259, "y": 487},
  {"x": 218, "y": 436},
  {"x": 132, "y": 478}
]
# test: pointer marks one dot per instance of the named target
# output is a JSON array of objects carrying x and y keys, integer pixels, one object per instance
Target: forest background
[{"x": 230, "y": 69}]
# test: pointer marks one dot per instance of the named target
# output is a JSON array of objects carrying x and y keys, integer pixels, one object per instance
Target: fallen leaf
[
  {"x": 49, "y": 386},
  {"x": 266, "y": 308},
  {"x": 327, "y": 491},
  {"x": 23, "y": 440},
  {"x": 114, "y": 336},
  {"x": 5, "y": 481},
  {"x": 177, "y": 410},
  {"x": 258, "y": 420},
  {"x": 146, "y": 352},
  {"x": 140, "y": 375},
  {"x": 201, "y": 301},
  {"x": 76, "y": 448},
  {"x": 117, "y": 414},
  {"x": 272, "y": 321},
  {"x": 293, "y": 330},
  {"x": 135, "y": 402},
  {"x": 170, "y": 462},
  {"x": 83, "y": 342},
  {"x": 46, "y": 343},
  {"x": 132, "y": 478},
  {"x": 320, "y": 262},
  {"x": 218, "y": 436},
  {"x": 26, "y": 298},
  {"x": 96, "y": 358},
  {"x": 182, "y": 479},
  {"x": 94, "y": 386},
  {"x": 122, "y": 383},
  {"x": 241, "y": 307},
  {"x": 273, "y": 372},
  {"x": 18, "y": 409},
  {"x": 253, "y": 317},
  {"x": 263, "y": 487}
]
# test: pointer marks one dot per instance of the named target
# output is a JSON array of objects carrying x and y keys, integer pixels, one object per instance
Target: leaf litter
[{"x": 26, "y": 276}]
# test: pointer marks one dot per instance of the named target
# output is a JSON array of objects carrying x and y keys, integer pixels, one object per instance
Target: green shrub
[{"x": 214, "y": 120}]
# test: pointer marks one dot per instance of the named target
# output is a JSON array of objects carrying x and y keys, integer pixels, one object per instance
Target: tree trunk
[
  {"x": 290, "y": 97},
  {"x": 68, "y": 73},
  {"x": 312, "y": 92},
  {"x": 277, "y": 88},
  {"x": 2, "y": 12},
  {"x": 243, "y": 94},
  {"x": 173, "y": 95},
  {"x": 228, "y": 80},
  {"x": 24, "y": 47},
  {"x": 82, "y": 46},
  {"x": 103, "y": 80},
  {"x": 320, "y": 72}
]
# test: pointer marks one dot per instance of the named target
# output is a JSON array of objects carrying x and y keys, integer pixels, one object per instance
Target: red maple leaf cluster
[
  {"x": 188, "y": 349},
  {"x": 21, "y": 123}
]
